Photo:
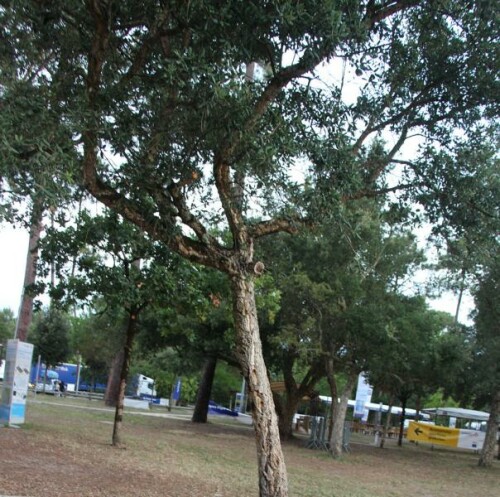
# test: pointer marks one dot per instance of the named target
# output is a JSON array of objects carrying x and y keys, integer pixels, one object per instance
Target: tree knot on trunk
[{"x": 258, "y": 268}]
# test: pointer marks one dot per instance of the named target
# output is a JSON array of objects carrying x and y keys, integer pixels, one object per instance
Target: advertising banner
[
  {"x": 176, "y": 393},
  {"x": 363, "y": 395},
  {"x": 16, "y": 382}
]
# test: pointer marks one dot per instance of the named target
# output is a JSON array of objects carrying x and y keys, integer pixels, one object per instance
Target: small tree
[
  {"x": 404, "y": 366},
  {"x": 107, "y": 252},
  {"x": 50, "y": 336}
]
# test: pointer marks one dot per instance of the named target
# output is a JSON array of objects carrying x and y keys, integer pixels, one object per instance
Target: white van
[{"x": 51, "y": 386}]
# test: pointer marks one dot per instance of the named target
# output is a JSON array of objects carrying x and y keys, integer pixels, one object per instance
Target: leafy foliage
[
  {"x": 134, "y": 80},
  {"x": 96, "y": 337},
  {"x": 50, "y": 337},
  {"x": 7, "y": 325},
  {"x": 485, "y": 369},
  {"x": 418, "y": 356}
]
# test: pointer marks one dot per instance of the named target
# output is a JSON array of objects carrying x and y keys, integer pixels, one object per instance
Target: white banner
[{"x": 363, "y": 395}]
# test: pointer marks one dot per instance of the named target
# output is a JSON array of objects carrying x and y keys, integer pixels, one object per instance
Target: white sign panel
[
  {"x": 471, "y": 439},
  {"x": 16, "y": 382}
]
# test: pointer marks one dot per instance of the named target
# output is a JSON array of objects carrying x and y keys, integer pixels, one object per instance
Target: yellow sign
[{"x": 437, "y": 435}]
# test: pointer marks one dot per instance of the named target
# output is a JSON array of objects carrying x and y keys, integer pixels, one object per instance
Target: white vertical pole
[
  {"x": 243, "y": 399},
  {"x": 78, "y": 367}
]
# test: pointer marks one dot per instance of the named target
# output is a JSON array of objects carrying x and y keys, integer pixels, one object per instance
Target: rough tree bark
[
  {"x": 204, "y": 390},
  {"x": 330, "y": 377},
  {"x": 127, "y": 352},
  {"x": 339, "y": 410},
  {"x": 488, "y": 450},
  {"x": 113, "y": 386},
  {"x": 272, "y": 471}
]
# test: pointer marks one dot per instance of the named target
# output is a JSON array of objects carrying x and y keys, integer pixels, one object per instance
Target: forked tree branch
[
  {"x": 159, "y": 229},
  {"x": 272, "y": 90}
]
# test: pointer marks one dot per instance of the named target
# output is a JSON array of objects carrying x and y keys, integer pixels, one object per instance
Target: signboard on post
[
  {"x": 16, "y": 382},
  {"x": 442, "y": 435},
  {"x": 432, "y": 434}
]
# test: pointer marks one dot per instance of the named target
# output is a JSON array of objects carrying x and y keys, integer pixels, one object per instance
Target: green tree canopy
[
  {"x": 50, "y": 336},
  {"x": 487, "y": 354}
]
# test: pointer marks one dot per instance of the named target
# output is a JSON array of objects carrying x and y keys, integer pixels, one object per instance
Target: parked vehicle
[
  {"x": 214, "y": 408},
  {"x": 141, "y": 387},
  {"x": 50, "y": 386},
  {"x": 70, "y": 375}
]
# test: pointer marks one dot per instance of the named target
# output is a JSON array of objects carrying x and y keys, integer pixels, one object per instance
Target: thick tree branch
[
  {"x": 109, "y": 196},
  {"x": 275, "y": 226},
  {"x": 201, "y": 253},
  {"x": 229, "y": 203},
  {"x": 224, "y": 157},
  {"x": 314, "y": 373},
  {"x": 375, "y": 15},
  {"x": 187, "y": 217},
  {"x": 382, "y": 164}
]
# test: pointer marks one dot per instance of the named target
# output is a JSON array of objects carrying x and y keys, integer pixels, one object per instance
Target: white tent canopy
[
  {"x": 371, "y": 406},
  {"x": 457, "y": 412}
]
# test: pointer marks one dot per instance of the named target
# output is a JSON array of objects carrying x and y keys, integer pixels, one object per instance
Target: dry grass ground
[{"x": 64, "y": 450}]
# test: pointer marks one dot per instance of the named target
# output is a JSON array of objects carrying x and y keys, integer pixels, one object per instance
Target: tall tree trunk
[
  {"x": 286, "y": 405},
  {"x": 490, "y": 440},
  {"x": 418, "y": 406},
  {"x": 386, "y": 424},
  {"x": 339, "y": 413},
  {"x": 332, "y": 383},
  {"x": 286, "y": 412},
  {"x": 271, "y": 464},
  {"x": 127, "y": 352},
  {"x": 204, "y": 390},
  {"x": 114, "y": 379},
  {"x": 402, "y": 422},
  {"x": 26, "y": 308}
]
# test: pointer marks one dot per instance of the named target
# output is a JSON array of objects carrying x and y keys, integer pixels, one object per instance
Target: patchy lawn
[{"x": 64, "y": 450}]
